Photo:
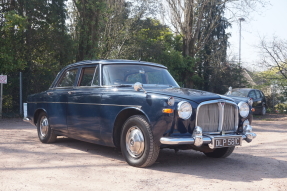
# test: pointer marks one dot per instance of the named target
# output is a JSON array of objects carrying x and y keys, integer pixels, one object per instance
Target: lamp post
[{"x": 240, "y": 20}]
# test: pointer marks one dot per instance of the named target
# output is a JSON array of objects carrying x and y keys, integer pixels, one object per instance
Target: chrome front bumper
[
  {"x": 26, "y": 119},
  {"x": 198, "y": 139}
]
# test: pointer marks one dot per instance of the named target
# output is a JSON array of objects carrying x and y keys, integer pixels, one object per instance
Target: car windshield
[
  {"x": 130, "y": 74},
  {"x": 239, "y": 93}
]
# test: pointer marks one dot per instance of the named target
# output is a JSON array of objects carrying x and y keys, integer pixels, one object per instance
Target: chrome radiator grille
[{"x": 217, "y": 116}]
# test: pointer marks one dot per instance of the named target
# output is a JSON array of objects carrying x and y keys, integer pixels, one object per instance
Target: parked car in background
[
  {"x": 138, "y": 107},
  {"x": 258, "y": 98}
]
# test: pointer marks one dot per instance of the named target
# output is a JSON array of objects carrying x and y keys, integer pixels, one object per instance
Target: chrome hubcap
[
  {"x": 263, "y": 110},
  {"x": 44, "y": 124},
  {"x": 135, "y": 142}
]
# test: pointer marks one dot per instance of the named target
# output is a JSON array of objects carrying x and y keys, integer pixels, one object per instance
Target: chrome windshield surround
[{"x": 221, "y": 104}]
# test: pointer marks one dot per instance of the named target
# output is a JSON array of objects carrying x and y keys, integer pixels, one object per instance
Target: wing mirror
[{"x": 138, "y": 86}]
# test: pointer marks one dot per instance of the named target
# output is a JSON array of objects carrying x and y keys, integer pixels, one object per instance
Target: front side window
[
  {"x": 129, "y": 74},
  {"x": 252, "y": 94},
  {"x": 239, "y": 93},
  {"x": 89, "y": 77},
  {"x": 68, "y": 78}
]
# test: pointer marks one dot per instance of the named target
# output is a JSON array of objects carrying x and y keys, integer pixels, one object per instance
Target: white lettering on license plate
[{"x": 227, "y": 142}]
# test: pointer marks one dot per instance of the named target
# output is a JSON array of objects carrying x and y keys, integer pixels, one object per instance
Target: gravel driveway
[{"x": 27, "y": 164}]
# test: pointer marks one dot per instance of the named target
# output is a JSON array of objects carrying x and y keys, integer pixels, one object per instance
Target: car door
[
  {"x": 83, "y": 109},
  {"x": 256, "y": 100},
  {"x": 259, "y": 99},
  {"x": 57, "y": 99},
  {"x": 263, "y": 98}
]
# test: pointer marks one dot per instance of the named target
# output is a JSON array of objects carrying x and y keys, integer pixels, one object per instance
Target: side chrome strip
[{"x": 137, "y": 106}]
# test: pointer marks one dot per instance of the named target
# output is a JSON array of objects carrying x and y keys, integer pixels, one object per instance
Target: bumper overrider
[
  {"x": 26, "y": 119},
  {"x": 213, "y": 141}
]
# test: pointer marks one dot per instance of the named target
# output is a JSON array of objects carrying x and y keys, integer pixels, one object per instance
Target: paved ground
[{"x": 27, "y": 164}]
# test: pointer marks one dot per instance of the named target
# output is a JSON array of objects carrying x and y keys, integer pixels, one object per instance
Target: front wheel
[
  {"x": 137, "y": 142},
  {"x": 45, "y": 133},
  {"x": 220, "y": 152}
]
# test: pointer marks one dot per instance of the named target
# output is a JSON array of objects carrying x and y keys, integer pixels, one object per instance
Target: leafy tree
[
  {"x": 272, "y": 84},
  {"x": 87, "y": 29},
  {"x": 212, "y": 57},
  {"x": 274, "y": 55},
  {"x": 35, "y": 42},
  {"x": 196, "y": 21}
]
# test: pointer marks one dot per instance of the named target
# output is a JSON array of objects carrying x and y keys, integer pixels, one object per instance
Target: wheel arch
[
  {"x": 37, "y": 113},
  {"x": 120, "y": 120}
]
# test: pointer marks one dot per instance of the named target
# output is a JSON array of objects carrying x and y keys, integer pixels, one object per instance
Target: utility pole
[
  {"x": 240, "y": 20},
  {"x": 3, "y": 80}
]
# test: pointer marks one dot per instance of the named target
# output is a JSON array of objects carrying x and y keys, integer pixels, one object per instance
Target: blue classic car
[{"x": 138, "y": 107}]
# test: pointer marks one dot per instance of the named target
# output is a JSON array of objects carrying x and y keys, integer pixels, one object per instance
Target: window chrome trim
[{"x": 100, "y": 74}]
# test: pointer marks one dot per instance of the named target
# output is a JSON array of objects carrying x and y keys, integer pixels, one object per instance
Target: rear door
[
  {"x": 261, "y": 101},
  {"x": 83, "y": 109}
]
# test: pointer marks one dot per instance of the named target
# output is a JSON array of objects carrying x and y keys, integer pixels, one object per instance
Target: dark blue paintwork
[{"x": 97, "y": 113}]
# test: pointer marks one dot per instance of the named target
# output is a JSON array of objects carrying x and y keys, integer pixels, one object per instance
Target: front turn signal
[
  {"x": 167, "y": 110},
  {"x": 253, "y": 109}
]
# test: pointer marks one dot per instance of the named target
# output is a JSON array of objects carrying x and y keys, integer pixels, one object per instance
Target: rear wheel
[
  {"x": 220, "y": 152},
  {"x": 45, "y": 133},
  {"x": 263, "y": 110},
  {"x": 137, "y": 142}
]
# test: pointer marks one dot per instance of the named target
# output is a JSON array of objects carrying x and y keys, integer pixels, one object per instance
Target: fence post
[
  {"x": 21, "y": 104},
  {"x": 1, "y": 98}
]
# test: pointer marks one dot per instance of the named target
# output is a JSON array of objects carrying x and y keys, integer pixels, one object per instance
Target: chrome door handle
[{"x": 50, "y": 93}]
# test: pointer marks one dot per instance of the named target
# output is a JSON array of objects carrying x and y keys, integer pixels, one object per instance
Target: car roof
[
  {"x": 246, "y": 89},
  {"x": 114, "y": 61}
]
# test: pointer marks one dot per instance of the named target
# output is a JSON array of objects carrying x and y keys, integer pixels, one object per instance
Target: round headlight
[
  {"x": 184, "y": 109},
  {"x": 243, "y": 109}
]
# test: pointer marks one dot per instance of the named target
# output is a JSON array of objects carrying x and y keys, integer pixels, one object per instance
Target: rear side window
[
  {"x": 68, "y": 78},
  {"x": 262, "y": 95},
  {"x": 258, "y": 94}
]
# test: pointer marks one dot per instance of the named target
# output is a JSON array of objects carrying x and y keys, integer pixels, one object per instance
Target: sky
[{"x": 266, "y": 22}]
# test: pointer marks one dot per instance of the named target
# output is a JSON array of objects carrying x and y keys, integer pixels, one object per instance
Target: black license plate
[{"x": 227, "y": 142}]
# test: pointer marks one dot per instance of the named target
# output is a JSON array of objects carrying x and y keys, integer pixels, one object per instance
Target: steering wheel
[{"x": 118, "y": 81}]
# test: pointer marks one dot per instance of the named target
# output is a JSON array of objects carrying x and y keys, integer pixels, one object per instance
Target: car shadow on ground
[
  {"x": 15, "y": 123},
  {"x": 237, "y": 167}
]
